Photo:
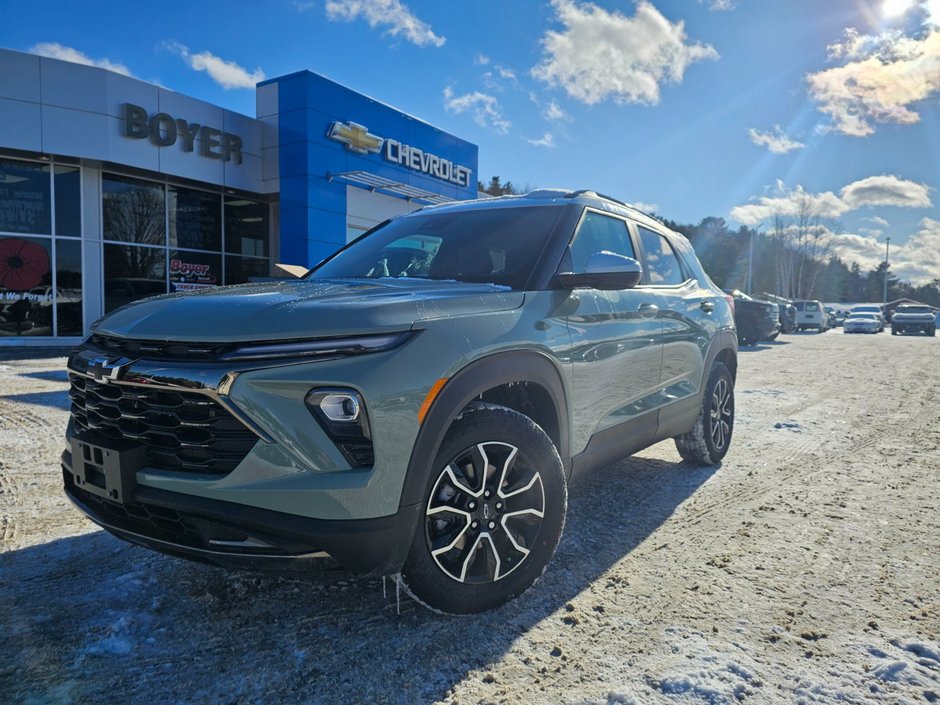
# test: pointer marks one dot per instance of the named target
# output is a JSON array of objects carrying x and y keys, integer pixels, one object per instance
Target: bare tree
[{"x": 804, "y": 242}]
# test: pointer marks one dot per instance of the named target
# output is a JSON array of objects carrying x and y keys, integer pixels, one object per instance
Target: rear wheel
[
  {"x": 493, "y": 513},
  {"x": 708, "y": 441}
]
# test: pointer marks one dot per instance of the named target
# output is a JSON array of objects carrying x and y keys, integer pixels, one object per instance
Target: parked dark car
[{"x": 755, "y": 320}]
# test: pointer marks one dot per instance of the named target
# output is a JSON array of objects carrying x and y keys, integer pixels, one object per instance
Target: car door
[
  {"x": 616, "y": 350},
  {"x": 687, "y": 315}
]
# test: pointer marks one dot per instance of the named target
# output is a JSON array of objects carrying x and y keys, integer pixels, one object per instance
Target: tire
[
  {"x": 497, "y": 497},
  {"x": 707, "y": 443},
  {"x": 932, "y": 332},
  {"x": 894, "y": 331}
]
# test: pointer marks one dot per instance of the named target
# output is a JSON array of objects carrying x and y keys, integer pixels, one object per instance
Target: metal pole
[
  {"x": 887, "y": 246},
  {"x": 750, "y": 263}
]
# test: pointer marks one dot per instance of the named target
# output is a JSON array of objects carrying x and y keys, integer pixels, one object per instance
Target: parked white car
[
  {"x": 875, "y": 309},
  {"x": 862, "y": 322}
]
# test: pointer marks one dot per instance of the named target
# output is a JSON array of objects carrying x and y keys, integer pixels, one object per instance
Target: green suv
[{"x": 415, "y": 406}]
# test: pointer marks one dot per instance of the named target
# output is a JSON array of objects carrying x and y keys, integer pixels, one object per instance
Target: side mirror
[{"x": 606, "y": 271}]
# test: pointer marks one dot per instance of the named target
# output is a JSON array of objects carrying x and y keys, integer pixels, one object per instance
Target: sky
[{"x": 740, "y": 109}]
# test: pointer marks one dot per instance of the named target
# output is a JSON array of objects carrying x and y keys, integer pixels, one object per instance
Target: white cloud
[
  {"x": 546, "y": 140},
  {"x": 884, "y": 190},
  {"x": 788, "y": 202},
  {"x": 916, "y": 260},
  {"x": 484, "y": 108},
  {"x": 494, "y": 79},
  {"x": 553, "y": 111},
  {"x": 645, "y": 207},
  {"x": 775, "y": 140},
  {"x": 719, "y": 5},
  {"x": 877, "y": 220},
  {"x": 601, "y": 54},
  {"x": 393, "y": 14},
  {"x": 885, "y": 78},
  {"x": 57, "y": 51},
  {"x": 481, "y": 60},
  {"x": 227, "y": 74}
]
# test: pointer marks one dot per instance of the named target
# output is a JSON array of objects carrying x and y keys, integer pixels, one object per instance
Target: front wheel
[
  {"x": 708, "y": 441},
  {"x": 493, "y": 513}
]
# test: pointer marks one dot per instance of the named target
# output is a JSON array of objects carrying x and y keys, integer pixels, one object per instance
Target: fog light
[
  {"x": 342, "y": 408},
  {"x": 342, "y": 413}
]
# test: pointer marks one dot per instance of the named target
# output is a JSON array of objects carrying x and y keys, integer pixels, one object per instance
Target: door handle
[
  {"x": 648, "y": 310},
  {"x": 708, "y": 306}
]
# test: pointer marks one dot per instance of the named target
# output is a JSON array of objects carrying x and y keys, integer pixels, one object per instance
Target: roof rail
[{"x": 592, "y": 192}]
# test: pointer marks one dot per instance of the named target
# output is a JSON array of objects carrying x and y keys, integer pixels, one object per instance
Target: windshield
[
  {"x": 864, "y": 316},
  {"x": 492, "y": 245},
  {"x": 914, "y": 309}
]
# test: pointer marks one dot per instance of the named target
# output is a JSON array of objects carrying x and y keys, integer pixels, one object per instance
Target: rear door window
[{"x": 662, "y": 266}]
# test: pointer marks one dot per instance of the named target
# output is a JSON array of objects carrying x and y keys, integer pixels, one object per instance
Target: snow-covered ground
[{"x": 806, "y": 569}]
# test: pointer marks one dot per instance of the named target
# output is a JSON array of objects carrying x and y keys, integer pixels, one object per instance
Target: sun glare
[{"x": 896, "y": 8}]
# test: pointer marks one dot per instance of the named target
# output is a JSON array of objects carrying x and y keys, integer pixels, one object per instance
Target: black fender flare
[
  {"x": 470, "y": 382},
  {"x": 725, "y": 339}
]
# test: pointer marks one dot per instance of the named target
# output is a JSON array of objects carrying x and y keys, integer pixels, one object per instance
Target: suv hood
[{"x": 310, "y": 308}]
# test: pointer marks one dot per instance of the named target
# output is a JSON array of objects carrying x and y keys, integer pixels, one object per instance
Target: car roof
[{"x": 553, "y": 196}]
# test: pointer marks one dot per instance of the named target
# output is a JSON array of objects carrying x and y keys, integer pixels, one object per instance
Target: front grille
[
  {"x": 145, "y": 519},
  {"x": 158, "y": 350},
  {"x": 181, "y": 431}
]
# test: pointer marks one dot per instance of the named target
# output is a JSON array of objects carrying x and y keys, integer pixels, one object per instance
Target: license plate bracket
[{"x": 109, "y": 471}]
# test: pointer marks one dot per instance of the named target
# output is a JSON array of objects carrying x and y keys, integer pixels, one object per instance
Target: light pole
[
  {"x": 750, "y": 259},
  {"x": 887, "y": 248}
]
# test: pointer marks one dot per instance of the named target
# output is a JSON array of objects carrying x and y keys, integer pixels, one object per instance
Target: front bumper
[{"x": 236, "y": 536}]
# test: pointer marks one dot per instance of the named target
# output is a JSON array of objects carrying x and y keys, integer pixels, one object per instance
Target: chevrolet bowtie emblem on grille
[
  {"x": 356, "y": 137},
  {"x": 105, "y": 370}
]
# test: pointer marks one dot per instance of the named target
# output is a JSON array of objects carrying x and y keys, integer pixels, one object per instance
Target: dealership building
[{"x": 113, "y": 189}]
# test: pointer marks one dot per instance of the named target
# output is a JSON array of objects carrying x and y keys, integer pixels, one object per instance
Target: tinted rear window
[{"x": 492, "y": 245}]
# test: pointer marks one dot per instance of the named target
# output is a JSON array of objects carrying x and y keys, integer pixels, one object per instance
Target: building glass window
[
  {"x": 132, "y": 272},
  {"x": 26, "y": 294},
  {"x": 239, "y": 269},
  {"x": 133, "y": 210},
  {"x": 25, "y": 197},
  {"x": 194, "y": 270},
  {"x": 195, "y": 219},
  {"x": 68, "y": 290},
  {"x": 246, "y": 227},
  {"x": 68, "y": 197}
]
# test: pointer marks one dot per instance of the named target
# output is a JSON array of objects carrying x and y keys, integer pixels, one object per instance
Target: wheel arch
[
  {"x": 724, "y": 349},
  {"x": 495, "y": 379}
]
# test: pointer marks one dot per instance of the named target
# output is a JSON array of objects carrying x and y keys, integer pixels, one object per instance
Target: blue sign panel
[{"x": 329, "y": 136}]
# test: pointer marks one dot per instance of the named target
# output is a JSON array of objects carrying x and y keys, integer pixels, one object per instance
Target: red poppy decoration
[{"x": 22, "y": 264}]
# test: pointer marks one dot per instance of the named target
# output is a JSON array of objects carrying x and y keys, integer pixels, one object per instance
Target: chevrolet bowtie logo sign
[{"x": 357, "y": 138}]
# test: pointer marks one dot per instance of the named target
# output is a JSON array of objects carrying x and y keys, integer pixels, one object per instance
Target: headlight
[{"x": 321, "y": 347}]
